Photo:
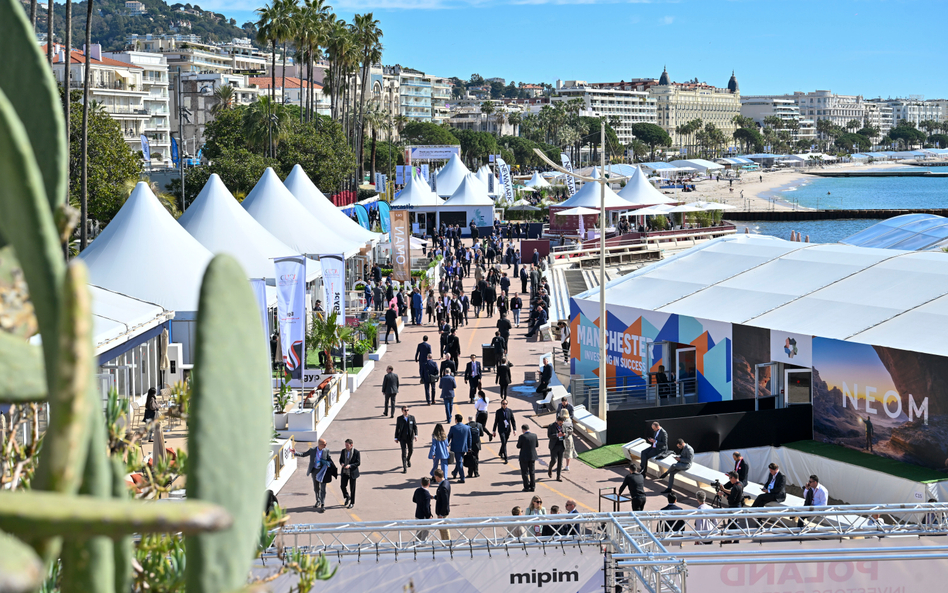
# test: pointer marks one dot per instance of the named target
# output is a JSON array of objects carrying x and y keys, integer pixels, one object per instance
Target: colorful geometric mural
[{"x": 633, "y": 345}]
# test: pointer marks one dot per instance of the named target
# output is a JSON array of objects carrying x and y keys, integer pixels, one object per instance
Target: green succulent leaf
[
  {"x": 22, "y": 377},
  {"x": 21, "y": 570}
]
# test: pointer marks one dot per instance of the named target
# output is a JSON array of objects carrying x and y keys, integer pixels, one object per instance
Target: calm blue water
[{"x": 857, "y": 193}]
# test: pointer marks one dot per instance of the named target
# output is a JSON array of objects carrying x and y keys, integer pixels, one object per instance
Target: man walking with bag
[{"x": 318, "y": 469}]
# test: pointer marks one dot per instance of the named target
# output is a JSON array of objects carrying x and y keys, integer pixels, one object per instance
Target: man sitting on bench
[
  {"x": 546, "y": 375},
  {"x": 775, "y": 490},
  {"x": 685, "y": 457},
  {"x": 659, "y": 446}
]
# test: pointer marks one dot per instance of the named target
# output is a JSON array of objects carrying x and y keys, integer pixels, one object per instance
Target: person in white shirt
[
  {"x": 703, "y": 525},
  {"x": 814, "y": 495}
]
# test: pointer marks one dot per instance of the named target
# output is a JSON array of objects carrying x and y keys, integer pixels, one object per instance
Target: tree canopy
[
  {"x": 476, "y": 145},
  {"x": 850, "y": 141},
  {"x": 426, "y": 133},
  {"x": 750, "y": 139},
  {"x": 907, "y": 134},
  {"x": 652, "y": 135}
]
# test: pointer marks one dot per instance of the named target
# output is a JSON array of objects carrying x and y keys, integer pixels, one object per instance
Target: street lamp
[{"x": 602, "y": 181}]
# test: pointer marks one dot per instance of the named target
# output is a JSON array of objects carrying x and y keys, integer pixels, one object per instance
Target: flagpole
[{"x": 603, "y": 322}]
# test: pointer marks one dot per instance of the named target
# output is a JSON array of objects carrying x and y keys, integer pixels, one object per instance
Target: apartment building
[
  {"x": 760, "y": 107},
  {"x": 839, "y": 109},
  {"x": 628, "y": 105},
  {"x": 678, "y": 103},
  {"x": 116, "y": 87},
  {"x": 156, "y": 102},
  {"x": 413, "y": 94},
  {"x": 296, "y": 91},
  {"x": 197, "y": 97},
  {"x": 913, "y": 110},
  {"x": 879, "y": 116},
  {"x": 466, "y": 114}
]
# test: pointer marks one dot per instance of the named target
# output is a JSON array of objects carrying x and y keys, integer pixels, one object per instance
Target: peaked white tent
[
  {"x": 471, "y": 192},
  {"x": 483, "y": 175},
  {"x": 450, "y": 176},
  {"x": 275, "y": 208},
  {"x": 144, "y": 253},
  {"x": 537, "y": 181},
  {"x": 588, "y": 197},
  {"x": 416, "y": 193},
  {"x": 218, "y": 222},
  {"x": 640, "y": 192},
  {"x": 304, "y": 190}
]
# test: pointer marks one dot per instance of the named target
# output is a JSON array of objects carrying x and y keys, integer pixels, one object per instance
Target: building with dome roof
[{"x": 678, "y": 103}]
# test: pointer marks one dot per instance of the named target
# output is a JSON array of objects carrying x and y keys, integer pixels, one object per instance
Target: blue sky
[{"x": 869, "y": 47}]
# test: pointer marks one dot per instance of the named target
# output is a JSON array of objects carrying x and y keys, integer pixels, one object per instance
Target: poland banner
[
  {"x": 560, "y": 570},
  {"x": 291, "y": 309},
  {"x": 334, "y": 286},
  {"x": 568, "y": 165},
  {"x": 506, "y": 180}
]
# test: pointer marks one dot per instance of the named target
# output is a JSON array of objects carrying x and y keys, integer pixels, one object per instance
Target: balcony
[{"x": 124, "y": 110}]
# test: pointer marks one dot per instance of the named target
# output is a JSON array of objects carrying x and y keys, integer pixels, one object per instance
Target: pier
[
  {"x": 793, "y": 215},
  {"x": 877, "y": 174}
]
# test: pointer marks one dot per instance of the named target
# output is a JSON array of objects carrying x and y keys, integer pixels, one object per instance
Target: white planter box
[
  {"x": 301, "y": 420},
  {"x": 279, "y": 420},
  {"x": 377, "y": 355},
  {"x": 356, "y": 380}
]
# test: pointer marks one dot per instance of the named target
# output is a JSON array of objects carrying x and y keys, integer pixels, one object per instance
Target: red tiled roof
[
  {"x": 77, "y": 57},
  {"x": 292, "y": 82}
]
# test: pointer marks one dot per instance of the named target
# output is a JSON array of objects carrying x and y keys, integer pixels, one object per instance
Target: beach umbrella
[
  {"x": 523, "y": 208},
  {"x": 578, "y": 211}
]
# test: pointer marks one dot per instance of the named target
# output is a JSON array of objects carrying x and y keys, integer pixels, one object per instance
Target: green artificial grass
[
  {"x": 915, "y": 473},
  {"x": 603, "y": 456}
]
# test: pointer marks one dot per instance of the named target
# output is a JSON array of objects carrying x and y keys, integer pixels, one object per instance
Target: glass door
[
  {"x": 686, "y": 370},
  {"x": 797, "y": 386},
  {"x": 764, "y": 385}
]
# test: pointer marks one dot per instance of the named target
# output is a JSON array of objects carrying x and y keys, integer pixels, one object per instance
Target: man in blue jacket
[
  {"x": 459, "y": 441},
  {"x": 318, "y": 468},
  {"x": 416, "y": 307}
]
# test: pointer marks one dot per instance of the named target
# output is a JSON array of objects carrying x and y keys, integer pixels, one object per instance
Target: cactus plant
[{"x": 78, "y": 494}]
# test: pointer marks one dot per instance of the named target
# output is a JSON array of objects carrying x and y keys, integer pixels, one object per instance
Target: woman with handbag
[
  {"x": 438, "y": 452},
  {"x": 570, "y": 452},
  {"x": 481, "y": 405},
  {"x": 430, "y": 305}
]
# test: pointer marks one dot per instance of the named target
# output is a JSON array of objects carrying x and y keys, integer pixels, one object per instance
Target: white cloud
[{"x": 667, "y": 20}]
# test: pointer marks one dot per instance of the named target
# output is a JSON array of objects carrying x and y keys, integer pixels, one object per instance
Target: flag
[
  {"x": 363, "y": 215},
  {"x": 401, "y": 248},
  {"x": 291, "y": 310},
  {"x": 174, "y": 152},
  {"x": 384, "y": 209},
  {"x": 506, "y": 180},
  {"x": 568, "y": 165},
  {"x": 146, "y": 149},
  {"x": 334, "y": 285}
]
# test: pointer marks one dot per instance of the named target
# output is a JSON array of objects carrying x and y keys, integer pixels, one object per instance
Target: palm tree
[
  {"x": 225, "y": 98},
  {"x": 264, "y": 124},
  {"x": 487, "y": 108},
  {"x": 377, "y": 118},
  {"x": 284, "y": 30},
  {"x": 310, "y": 31},
  {"x": 84, "y": 141},
  {"x": 326, "y": 335},
  {"x": 267, "y": 35},
  {"x": 367, "y": 35},
  {"x": 67, "y": 80},
  {"x": 515, "y": 119}
]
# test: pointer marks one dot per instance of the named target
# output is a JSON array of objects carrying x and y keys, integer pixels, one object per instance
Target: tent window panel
[{"x": 454, "y": 217}]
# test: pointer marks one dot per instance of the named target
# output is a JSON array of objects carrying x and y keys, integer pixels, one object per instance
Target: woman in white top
[
  {"x": 568, "y": 441},
  {"x": 480, "y": 405},
  {"x": 565, "y": 335},
  {"x": 536, "y": 508}
]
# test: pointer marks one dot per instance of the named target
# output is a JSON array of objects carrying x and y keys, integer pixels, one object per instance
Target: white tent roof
[
  {"x": 451, "y": 175},
  {"x": 416, "y": 193},
  {"x": 275, "y": 208},
  {"x": 699, "y": 164},
  {"x": 871, "y": 296},
  {"x": 471, "y": 192},
  {"x": 588, "y": 196},
  {"x": 537, "y": 181},
  {"x": 304, "y": 190},
  {"x": 146, "y": 254},
  {"x": 220, "y": 224},
  {"x": 118, "y": 318},
  {"x": 640, "y": 191}
]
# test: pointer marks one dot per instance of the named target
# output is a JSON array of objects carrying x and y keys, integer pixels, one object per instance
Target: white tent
[
  {"x": 304, "y": 190},
  {"x": 221, "y": 225},
  {"x": 699, "y": 164},
  {"x": 146, "y": 254},
  {"x": 416, "y": 193},
  {"x": 275, "y": 208},
  {"x": 588, "y": 197},
  {"x": 451, "y": 175},
  {"x": 471, "y": 192},
  {"x": 640, "y": 192},
  {"x": 119, "y": 319},
  {"x": 537, "y": 181}
]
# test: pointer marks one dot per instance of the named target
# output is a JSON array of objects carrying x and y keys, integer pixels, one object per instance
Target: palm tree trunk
[
  {"x": 67, "y": 66},
  {"x": 84, "y": 142},
  {"x": 361, "y": 139},
  {"x": 33, "y": 15},
  {"x": 374, "y": 136},
  {"x": 283, "y": 82},
  {"x": 49, "y": 35}
]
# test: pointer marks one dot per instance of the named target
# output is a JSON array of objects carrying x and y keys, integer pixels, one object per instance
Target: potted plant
[
  {"x": 359, "y": 350},
  {"x": 326, "y": 335},
  {"x": 370, "y": 331}
]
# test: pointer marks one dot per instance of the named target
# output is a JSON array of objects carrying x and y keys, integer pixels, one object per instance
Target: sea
[{"x": 852, "y": 193}]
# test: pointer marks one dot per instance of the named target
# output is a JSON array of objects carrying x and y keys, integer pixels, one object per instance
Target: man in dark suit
[
  {"x": 421, "y": 353},
  {"x": 389, "y": 390},
  {"x": 536, "y": 258},
  {"x": 442, "y": 498},
  {"x": 318, "y": 468},
  {"x": 429, "y": 376},
  {"x": 504, "y": 425},
  {"x": 775, "y": 489},
  {"x": 448, "y": 366},
  {"x": 685, "y": 457},
  {"x": 636, "y": 485},
  {"x": 406, "y": 433},
  {"x": 540, "y": 319},
  {"x": 677, "y": 525},
  {"x": 659, "y": 446},
  {"x": 477, "y": 431},
  {"x": 565, "y": 405},
  {"x": 734, "y": 493},
  {"x": 524, "y": 277},
  {"x": 546, "y": 375},
  {"x": 454, "y": 347},
  {"x": 503, "y": 326},
  {"x": 459, "y": 441},
  {"x": 528, "y": 445},
  {"x": 499, "y": 345},
  {"x": 349, "y": 461},
  {"x": 391, "y": 323},
  {"x": 741, "y": 467},
  {"x": 557, "y": 435},
  {"x": 473, "y": 375}
]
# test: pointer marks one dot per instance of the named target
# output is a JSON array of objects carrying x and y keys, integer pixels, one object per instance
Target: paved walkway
[{"x": 384, "y": 492}]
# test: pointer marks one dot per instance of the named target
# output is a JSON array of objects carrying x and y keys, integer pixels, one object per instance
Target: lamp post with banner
[{"x": 603, "y": 180}]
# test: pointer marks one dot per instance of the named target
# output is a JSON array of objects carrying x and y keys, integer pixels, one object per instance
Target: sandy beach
[{"x": 753, "y": 190}]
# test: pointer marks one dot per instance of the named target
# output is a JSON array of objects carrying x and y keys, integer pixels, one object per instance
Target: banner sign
[
  {"x": 788, "y": 348},
  {"x": 569, "y": 570},
  {"x": 334, "y": 285},
  {"x": 174, "y": 152},
  {"x": 912, "y": 576},
  {"x": 384, "y": 209},
  {"x": 425, "y": 172},
  {"x": 506, "y": 180},
  {"x": 888, "y": 402},
  {"x": 146, "y": 149},
  {"x": 434, "y": 152},
  {"x": 259, "y": 286},
  {"x": 363, "y": 215},
  {"x": 568, "y": 165},
  {"x": 291, "y": 310},
  {"x": 401, "y": 248}
]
